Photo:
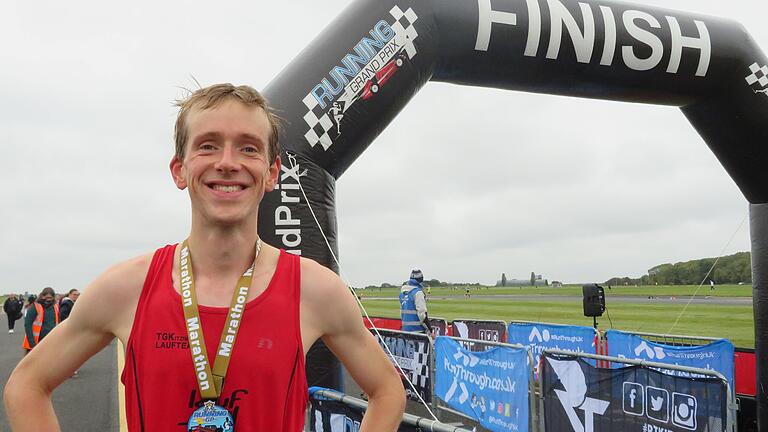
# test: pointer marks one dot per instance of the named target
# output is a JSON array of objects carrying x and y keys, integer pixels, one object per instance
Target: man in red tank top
[{"x": 215, "y": 328}]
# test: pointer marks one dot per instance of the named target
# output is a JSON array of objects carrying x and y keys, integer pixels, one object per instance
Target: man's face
[
  {"x": 46, "y": 299},
  {"x": 226, "y": 162}
]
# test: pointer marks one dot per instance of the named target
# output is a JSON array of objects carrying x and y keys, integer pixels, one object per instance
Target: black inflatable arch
[{"x": 341, "y": 91}]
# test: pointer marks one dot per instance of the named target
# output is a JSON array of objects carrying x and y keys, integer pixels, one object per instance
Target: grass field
[
  {"x": 574, "y": 290},
  {"x": 732, "y": 322}
]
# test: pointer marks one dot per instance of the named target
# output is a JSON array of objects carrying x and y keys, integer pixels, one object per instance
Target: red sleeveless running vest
[{"x": 265, "y": 389}]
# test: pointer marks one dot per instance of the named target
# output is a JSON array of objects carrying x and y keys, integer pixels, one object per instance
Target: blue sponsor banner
[
  {"x": 716, "y": 356},
  {"x": 490, "y": 387},
  {"x": 550, "y": 336}
]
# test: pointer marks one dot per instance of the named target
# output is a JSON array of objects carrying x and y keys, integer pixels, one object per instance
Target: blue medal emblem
[{"x": 210, "y": 418}]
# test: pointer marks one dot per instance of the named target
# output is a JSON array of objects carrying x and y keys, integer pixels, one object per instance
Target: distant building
[{"x": 519, "y": 283}]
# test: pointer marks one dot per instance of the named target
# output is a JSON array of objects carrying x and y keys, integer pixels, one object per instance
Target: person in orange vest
[{"x": 40, "y": 319}]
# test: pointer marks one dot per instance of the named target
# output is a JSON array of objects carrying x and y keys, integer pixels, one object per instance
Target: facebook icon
[{"x": 634, "y": 399}]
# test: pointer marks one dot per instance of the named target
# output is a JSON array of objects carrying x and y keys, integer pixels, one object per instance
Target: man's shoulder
[
  {"x": 318, "y": 281},
  {"x": 315, "y": 273}
]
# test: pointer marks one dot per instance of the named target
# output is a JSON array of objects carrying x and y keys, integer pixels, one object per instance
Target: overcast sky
[{"x": 466, "y": 183}]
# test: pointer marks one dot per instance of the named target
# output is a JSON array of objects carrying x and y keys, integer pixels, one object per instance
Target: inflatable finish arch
[{"x": 351, "y": 81}]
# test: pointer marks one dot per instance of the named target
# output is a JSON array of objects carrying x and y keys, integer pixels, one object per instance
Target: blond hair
[{"x": 212, "y": 97}]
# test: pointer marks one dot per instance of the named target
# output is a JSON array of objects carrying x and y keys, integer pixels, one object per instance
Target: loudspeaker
[{"x": 594, "y": 300}]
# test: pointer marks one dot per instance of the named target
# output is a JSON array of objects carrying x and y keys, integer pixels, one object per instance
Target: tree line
[{"x": 729, "y": 269}]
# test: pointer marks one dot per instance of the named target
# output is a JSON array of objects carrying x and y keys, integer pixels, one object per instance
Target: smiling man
[{"x": 216, "y": 328}]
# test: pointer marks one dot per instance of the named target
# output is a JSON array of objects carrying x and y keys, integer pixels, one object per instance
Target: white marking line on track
[{"x": 120, "y": 387}]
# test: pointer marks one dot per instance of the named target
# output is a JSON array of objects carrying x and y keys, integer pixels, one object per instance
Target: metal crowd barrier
[
  {"x": 436, "y": 404},
  {"x": 731, "y": 405},
  {"x": 535, "y": 395},
  {"x": 533, "y": 411},
  {"x": 676, "y": 340},
  {"x": 409, "y": 419}
]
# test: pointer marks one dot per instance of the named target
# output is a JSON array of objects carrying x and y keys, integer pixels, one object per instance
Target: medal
[
  {"x": 210, "y": 377},
  {"x": 210, "y": 418}
]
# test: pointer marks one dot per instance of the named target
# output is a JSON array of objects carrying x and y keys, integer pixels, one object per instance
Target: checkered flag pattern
[
  {"x": 405, "y": 32},
  {"x": 758, "y": 74},
  {"x": 319, "y": 123},
  {"x": 318, "y": 120},
  {"x": 420, "y": 374}
]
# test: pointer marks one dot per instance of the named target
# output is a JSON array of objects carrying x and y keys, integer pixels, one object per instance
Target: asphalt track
[{"x": 88, "y": 402}]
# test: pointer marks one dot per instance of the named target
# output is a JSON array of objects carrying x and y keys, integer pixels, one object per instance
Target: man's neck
[{"x": 221, "y": 251}]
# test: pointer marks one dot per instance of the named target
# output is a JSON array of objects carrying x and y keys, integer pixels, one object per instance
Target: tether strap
[{"x": 210, "y": 384}]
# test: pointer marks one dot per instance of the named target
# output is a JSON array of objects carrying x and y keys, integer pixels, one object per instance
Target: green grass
[
  {"x": 731, "y": 322},
  {"x": 573, "y": 290}
]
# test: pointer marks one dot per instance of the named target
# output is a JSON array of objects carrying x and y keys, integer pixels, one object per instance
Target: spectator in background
[
  {"x": 67, "y": 303},
  {"x": 40, "y": 319},
  {"x": 30, "y": 301},
  {"x": 12, "y": 308},
  {"x": 413, "y": 305}
]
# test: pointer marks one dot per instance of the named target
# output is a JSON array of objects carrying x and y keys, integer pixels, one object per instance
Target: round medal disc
[{"x": 210, "y": 418}]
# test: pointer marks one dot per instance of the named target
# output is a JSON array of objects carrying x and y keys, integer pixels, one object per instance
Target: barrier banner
[
  {"x": 539, "y": 337},
  {"x": 717, "y": 356},
  {"x": 579, "y": 397},
  {"x": 493, "y": 331},
  {"x": 439, "y": 327},
  {"x": 383, "y": 323},
  {"x": 412, "y": 353},
  {"x": 334, "y": 416},
  {"x": 490, "y": 387}
]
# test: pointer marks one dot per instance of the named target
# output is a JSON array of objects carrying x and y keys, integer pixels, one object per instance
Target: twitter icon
[{"x": 657, "y": 402}]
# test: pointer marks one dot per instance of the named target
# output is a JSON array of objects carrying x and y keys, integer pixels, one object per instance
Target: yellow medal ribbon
[{"x": 211, "y": 383}]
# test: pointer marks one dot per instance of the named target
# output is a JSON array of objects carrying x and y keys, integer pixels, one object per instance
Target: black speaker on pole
[{"x": 594, "y": 300}]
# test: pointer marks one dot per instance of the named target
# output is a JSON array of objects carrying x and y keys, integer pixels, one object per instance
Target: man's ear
[
  {"x": 273, "y": 174},
  {"x": 177, "y": 172}
]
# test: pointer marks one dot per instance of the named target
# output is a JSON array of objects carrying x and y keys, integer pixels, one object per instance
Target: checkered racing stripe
[
  {"x": 318, "y": 120},
  {"x": 758, "y": 74}
]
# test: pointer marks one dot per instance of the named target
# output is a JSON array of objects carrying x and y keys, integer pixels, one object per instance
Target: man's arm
[
  {"x": 343, "y": 331},
  {"x": 421, "y": 305},
  {"x": 106, "y": 308}
]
